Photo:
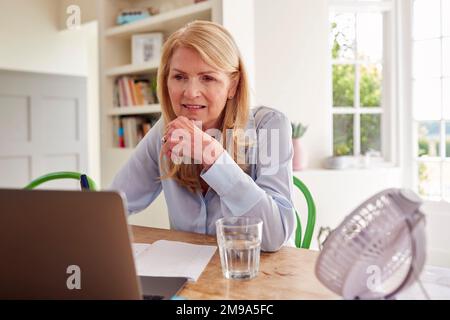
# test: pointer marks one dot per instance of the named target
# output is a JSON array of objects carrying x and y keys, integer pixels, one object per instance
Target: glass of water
[{"x": 239, "y": 240}]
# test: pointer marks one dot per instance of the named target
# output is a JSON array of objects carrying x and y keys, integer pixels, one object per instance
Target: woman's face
[{"x": 198, "y": 91}]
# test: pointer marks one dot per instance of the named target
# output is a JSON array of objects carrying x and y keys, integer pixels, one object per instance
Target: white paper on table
[
  {"x": 166, "y": 258},
  {"x": 138, "y": 248}
]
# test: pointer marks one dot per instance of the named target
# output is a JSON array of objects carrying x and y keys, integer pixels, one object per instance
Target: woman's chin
[{"x": 191, "y": 116}]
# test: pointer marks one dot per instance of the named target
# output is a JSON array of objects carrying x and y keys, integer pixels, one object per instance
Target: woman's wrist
[{"x": 212, "y": 150}]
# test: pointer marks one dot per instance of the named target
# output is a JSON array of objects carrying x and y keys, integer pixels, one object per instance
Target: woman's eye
[
  {"x": 178, "y": 77},
  {"x": 208, "y": 78}
]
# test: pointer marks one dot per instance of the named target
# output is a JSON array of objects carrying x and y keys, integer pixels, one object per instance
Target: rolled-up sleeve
[
  {"x": 269, "y": 195},
  {"x": 139, "y": 179}
]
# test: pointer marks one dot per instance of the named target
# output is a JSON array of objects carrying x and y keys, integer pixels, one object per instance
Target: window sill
[
  {"x": 355, "y": 163},
  {"x": 378, "y": 168}
]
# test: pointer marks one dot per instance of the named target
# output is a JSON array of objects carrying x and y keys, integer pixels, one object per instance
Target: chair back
[
  {"x": 86, "y": 183},
  {"x": 309, "y": 230}
]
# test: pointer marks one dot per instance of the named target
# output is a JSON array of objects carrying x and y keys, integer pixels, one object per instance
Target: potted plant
[{"x": 300, "y": 160}]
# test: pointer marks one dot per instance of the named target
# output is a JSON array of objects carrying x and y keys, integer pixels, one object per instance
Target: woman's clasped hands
[{"x": 185, "y": 142}]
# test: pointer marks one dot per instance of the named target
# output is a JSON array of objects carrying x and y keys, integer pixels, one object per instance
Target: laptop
[{"x": 71, "y": 245}]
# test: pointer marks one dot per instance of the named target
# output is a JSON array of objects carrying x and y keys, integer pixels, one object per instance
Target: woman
[{"x": 203, "y": 90}]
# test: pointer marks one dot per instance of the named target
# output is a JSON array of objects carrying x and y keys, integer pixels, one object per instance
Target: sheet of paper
[
  {"x": 172, "y": 259},
  {"x": 138, "y": 248}
]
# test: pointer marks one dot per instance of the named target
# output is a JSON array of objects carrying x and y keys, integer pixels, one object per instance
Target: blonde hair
[{"x": 216, "y": 47}]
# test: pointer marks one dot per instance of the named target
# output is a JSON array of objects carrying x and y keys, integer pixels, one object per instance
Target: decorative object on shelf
[
  {"x": 353, "y": 162},
  {"x": 300, "y": 160},
  {"x": 167, "y": 6},
  {"x": 171, "y": 5},
  {"x": 340, "y": 162},
  {"x": 146, "y": 48},
  {"x": 378, "y": 250},
  {"x": 135, "y": 14},
  {"x": 369, "y": 156}
]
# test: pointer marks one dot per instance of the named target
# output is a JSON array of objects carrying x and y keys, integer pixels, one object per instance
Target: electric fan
[{"x": 378, "y": 250}]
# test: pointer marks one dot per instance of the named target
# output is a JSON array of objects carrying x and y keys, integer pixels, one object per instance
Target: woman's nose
[{"x": 192, "y": 89}]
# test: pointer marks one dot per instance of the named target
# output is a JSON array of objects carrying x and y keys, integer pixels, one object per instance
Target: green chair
[
  {"x": 86, "y": 182},
  {"x": 306, "y": 242}
]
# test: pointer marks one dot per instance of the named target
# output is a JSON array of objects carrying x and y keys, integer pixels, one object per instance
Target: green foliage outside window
[
  {"x": 343, "y": 85},
  {"x": 424, "y": 147},
  {"x": 423, "y": 177},
  {"x": 447, "y": 148}
]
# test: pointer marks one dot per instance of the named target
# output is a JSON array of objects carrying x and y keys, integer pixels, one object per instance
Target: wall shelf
[
  {"x": 167, "y": 21},
  {"x": 134, "y": 110},
  {"x": 130, "y": 69}
]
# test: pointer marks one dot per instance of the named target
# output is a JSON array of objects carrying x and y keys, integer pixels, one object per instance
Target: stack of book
[
  {"x": 128, "y": 131},
  {"x": 134, "y": 91}
]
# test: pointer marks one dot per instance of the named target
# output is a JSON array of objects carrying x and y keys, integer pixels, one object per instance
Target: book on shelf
[
  {"x": 134, "y": 91},
  {"x": 129, "y": 130}
]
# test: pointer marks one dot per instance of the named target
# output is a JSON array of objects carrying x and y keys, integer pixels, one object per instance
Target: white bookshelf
[
  {"x": 115, "y": 60},
  {"x": 134, "y": 110},
  {"x": 131, "y": 69}
]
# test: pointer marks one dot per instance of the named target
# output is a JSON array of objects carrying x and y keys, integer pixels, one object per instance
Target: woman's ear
[{"x": 233, "y": 86}]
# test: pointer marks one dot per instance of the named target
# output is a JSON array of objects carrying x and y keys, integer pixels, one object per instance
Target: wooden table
[{"x": 286, "y": 274}]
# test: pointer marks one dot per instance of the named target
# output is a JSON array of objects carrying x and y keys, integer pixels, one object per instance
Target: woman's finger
[{"x": 180, "y": 122}]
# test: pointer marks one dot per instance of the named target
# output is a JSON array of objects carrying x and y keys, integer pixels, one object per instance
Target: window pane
[
  {"x": 447, "y": 140},
  {"x": 370, "y": 85},
  {"x": 369, "y": 29},
  {"x": 370, "y": 133},
  {"x": 446, "y": 57},
  {"x": 446, "y": 17},
  {"x": 446, "y": 181},
  {"x": 343, "y": 35},
  {"x": 427, "y": 99},
  {"x": 342, "y": 134},
  {"x": 427, "y": 57},
  {"x": 446, "y": 98},
  {"x": 429, "y": 179},
  {"x": 427, "y": 22},
  {"x": 343, "y": 85},
  {"x": 429, "y": 138}
]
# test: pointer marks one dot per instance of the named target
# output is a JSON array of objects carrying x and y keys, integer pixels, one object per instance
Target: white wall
[
  {"x": 93, "y": 108},
  {"x": 88, "y": 11},
  {"x": 239, "y": 19},
  {"x": 337, "y": 192},
  {"x": 292, "y": 67},
  {"x": 30, "y": 40},
  {"x": 437, "y": 230}
]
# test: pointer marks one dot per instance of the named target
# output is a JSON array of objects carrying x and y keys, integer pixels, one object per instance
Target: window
[
  {"x": 431, "y": 97},
  {"x": 359, "y": 34}
]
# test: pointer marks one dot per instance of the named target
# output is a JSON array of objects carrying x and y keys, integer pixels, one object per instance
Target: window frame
[
  {"x": 387, "y": 110},
  {"x": 413, "y": 159}
]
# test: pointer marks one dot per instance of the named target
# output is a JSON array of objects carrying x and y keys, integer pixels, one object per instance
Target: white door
[{"x": 42, "y": 127}]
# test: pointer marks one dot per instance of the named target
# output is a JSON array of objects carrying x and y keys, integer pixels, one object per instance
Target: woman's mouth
[{"x": 193, "y": 106}]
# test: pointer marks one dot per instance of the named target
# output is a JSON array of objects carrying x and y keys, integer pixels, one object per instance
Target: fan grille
[{"x": 375, "y": 234}]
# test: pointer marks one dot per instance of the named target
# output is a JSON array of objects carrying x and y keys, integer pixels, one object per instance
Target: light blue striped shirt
[{"x": 266, "y": 192}]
